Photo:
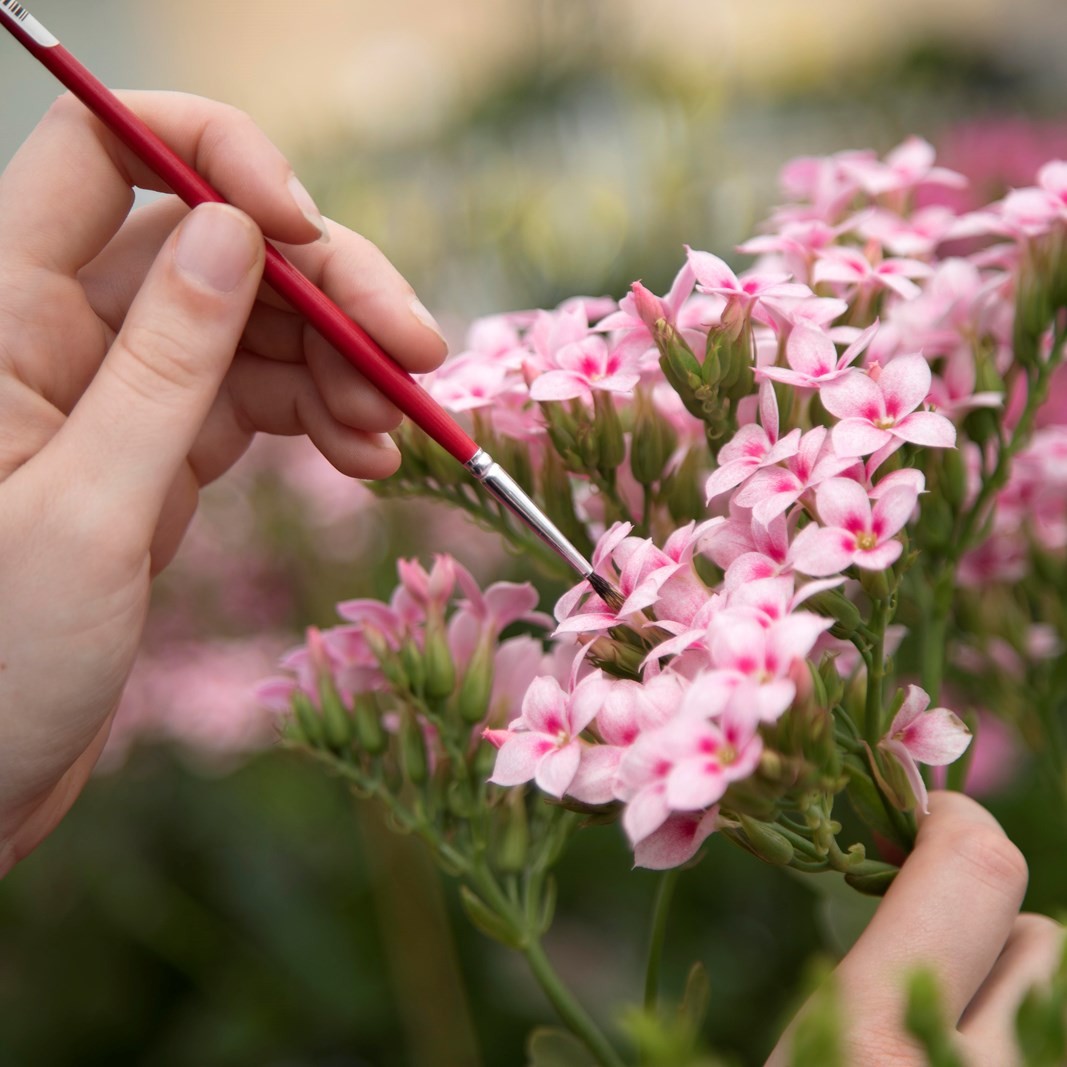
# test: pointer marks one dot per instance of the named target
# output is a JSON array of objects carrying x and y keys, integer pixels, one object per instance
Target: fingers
[
  {"x": 362, "y": 281},
  {"x": 127, "y": 438},
  {"x": 952, "y": 907},
  {"x": 1030, "y": 957},
  {"x": 71, "y": 159}
]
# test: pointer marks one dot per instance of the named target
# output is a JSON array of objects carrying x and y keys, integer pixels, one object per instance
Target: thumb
[{"x": 128, "y": 435}]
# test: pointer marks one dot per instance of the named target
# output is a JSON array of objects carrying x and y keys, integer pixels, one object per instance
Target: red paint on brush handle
[{"x": 350, "y": 339}]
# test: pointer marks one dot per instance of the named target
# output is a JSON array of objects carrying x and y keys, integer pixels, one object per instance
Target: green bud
[
  {"x": 513, "y": 844},
  {"x": 336, "y": 722},
  {"x": 866, "y": 800},
  {"x": 475, "y": 690},
  {"x": 607, "y": 431},
  {"x": 653, "y": 442},
  {"x": 767, "y": 842},
  {"x": 875, "y": 584},
  {"x": 308, "y": 721},
  {"x": 684, "y": 488},
  {"x": 414, "y": 671},
  {"x": 367, "y": 721},
  {"x": 440, "y": 671},
  {"x": 483, "y": 761},
  {"x": 413, "y": 750},
  {"x": 835, "y": 605},
  {"x": 954, "y": 484},
  {"x": 488, "y": 921},
  {"x": 871, "y": 877},
  {"x": 832, "y": 682}
]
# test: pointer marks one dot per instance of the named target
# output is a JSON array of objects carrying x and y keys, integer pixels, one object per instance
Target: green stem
[
  {"x": 568, "y": 1009},
  {"x": 660, "y": 912},
  {"x": 872, "y": 713}
]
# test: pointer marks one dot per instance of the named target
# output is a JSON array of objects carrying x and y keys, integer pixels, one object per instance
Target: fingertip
[
  {"x": 307, "y": 207},
  {"x": 945, "y": 806},
  {"x": 436, "y": 350}
]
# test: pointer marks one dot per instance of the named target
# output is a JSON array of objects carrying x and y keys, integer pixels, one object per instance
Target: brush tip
[{"x": 606, "y": 591}]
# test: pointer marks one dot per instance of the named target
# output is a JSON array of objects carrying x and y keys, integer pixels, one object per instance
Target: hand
[
  {"x": 136, "y": 362},
  {"x": 954, "y": 907}
]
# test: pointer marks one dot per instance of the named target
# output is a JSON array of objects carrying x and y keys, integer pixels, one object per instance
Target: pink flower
[
  {"x": 676, "y": 841},
  {"x": 543, "y": 743},
  {"x": 582, "y": 367},
  {"x": 853, "y": 532},
  {"x": 876, "y": 410},
  {"x": 685, "y": 765},
  {"x": 935, "y": 737},
  {"x": 772, "y": 490},
  {"x": 752, "y": 448},
  {"x": 813, "y": 359},
  {"x": 849, "y": 267},
  {"x": 907, "y": 167},
  {"x": 742, "y": 294}
]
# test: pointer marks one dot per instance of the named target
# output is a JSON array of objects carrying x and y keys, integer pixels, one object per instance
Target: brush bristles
[{"x": 606, "y": 591}]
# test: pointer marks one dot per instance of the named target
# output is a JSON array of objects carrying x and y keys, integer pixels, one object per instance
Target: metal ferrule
[{"x": 510, "y": 494}]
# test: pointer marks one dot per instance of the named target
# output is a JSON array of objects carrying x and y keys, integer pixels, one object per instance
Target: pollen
[{"x": 866, "y": 541}]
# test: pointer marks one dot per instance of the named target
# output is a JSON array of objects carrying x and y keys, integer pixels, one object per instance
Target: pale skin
[{"x": 139, "y": 355}]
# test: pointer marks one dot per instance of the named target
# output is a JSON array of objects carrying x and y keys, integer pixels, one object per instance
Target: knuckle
[
  {"x": 159, "y": 359},
  {"x": 992, "y": 859},
  {"x": 1033, "y": 928}
]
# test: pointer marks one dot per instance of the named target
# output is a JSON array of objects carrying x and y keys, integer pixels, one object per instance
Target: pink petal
[
  {"x": 710, "y": 271},
  {"x": 926, "y": 428},
  {"x": 855, "y": 395},
  {"x": 544, "y": 707},
  {"x": 843, "y": 503},
  {"x": 519, "y": 756},
  {"x": 675, "y": 842},
  {"x": 694, "y": 784},
  {"x": 911, "y": 772},
  {"x": 857, "y": 437},
  {"x": 936, "y": 737},
  {"x": 558, "y": 385},
  {"x": 557, "y": 768},
  {"x": 818, "y": 551},
  {"x": 904, "y": 382},
  {"x": 878, "y": 558},
  {"x": 594, "y": 781},
  {"x": 810, "y": 351},
  {"x": 892, "y": 510},
  {"x": 646, "y": 812}
]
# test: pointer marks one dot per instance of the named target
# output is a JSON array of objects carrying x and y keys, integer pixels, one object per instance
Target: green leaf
[
  {"x": 695, "y": 999},
  {"x": 488, "y": 921},
  {"x": 556, "y": 1048}
]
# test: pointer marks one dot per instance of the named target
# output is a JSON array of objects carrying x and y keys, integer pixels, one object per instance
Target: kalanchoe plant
[{"x": 831, "y": 492}]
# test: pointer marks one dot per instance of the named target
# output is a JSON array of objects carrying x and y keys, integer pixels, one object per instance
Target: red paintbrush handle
[{"x": 350, "y": 339}]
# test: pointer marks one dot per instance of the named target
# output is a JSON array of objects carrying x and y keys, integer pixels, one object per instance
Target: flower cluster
[{"x": 789, "y": 474}]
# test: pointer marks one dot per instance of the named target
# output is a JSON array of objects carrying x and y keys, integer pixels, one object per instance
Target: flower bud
[
  {"x": 767, "y": 842},
  {"x": 872, "y": 878},
  {"x": 684, "y": 493},
  {"x": 439, "y": 670},
  {"x": 875, "y": 584},
  {"x": 367, "y": 722},
  {"x": 308, "y": 721},
  {"x": 475, "y": 690},
  {"x": 513, "y": 844},
  {"x": 336, "y": 722},
  {"x": 413, "y": 750},
  {"x": 414, "y": 671},
  {"x": 835, "y": 605},
  {"x": 954, "y": 481},
  {"x": 608, "y": 431},
  {"x": 652, "y": 444}
]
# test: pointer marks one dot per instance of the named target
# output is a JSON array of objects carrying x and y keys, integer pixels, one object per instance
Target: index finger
[
  {"x": 951, "y": 908},
  {"x": 69, "y": 187}
]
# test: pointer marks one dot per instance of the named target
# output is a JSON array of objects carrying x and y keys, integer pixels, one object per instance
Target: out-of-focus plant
[{"x": 830, "y": 491}]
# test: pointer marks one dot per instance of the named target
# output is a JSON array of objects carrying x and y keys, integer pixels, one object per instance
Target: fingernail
[
  {"x": 385, "y": 443},
  {"x": 418, "y": 309},
  {"x": 308, "y": 208},
  {"x": 216, "y": 247}
]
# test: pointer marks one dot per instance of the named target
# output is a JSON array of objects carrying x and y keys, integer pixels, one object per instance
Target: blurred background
[{"x": 212, "y": 900}]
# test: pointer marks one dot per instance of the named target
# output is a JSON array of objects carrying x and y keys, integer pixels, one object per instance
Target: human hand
[
  {"x": 136, "y": 363},
  {"x": 954, "y": 908}
]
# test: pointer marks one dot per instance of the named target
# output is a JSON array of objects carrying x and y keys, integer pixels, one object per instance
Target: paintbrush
[{"x": 350, "y": 339}]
